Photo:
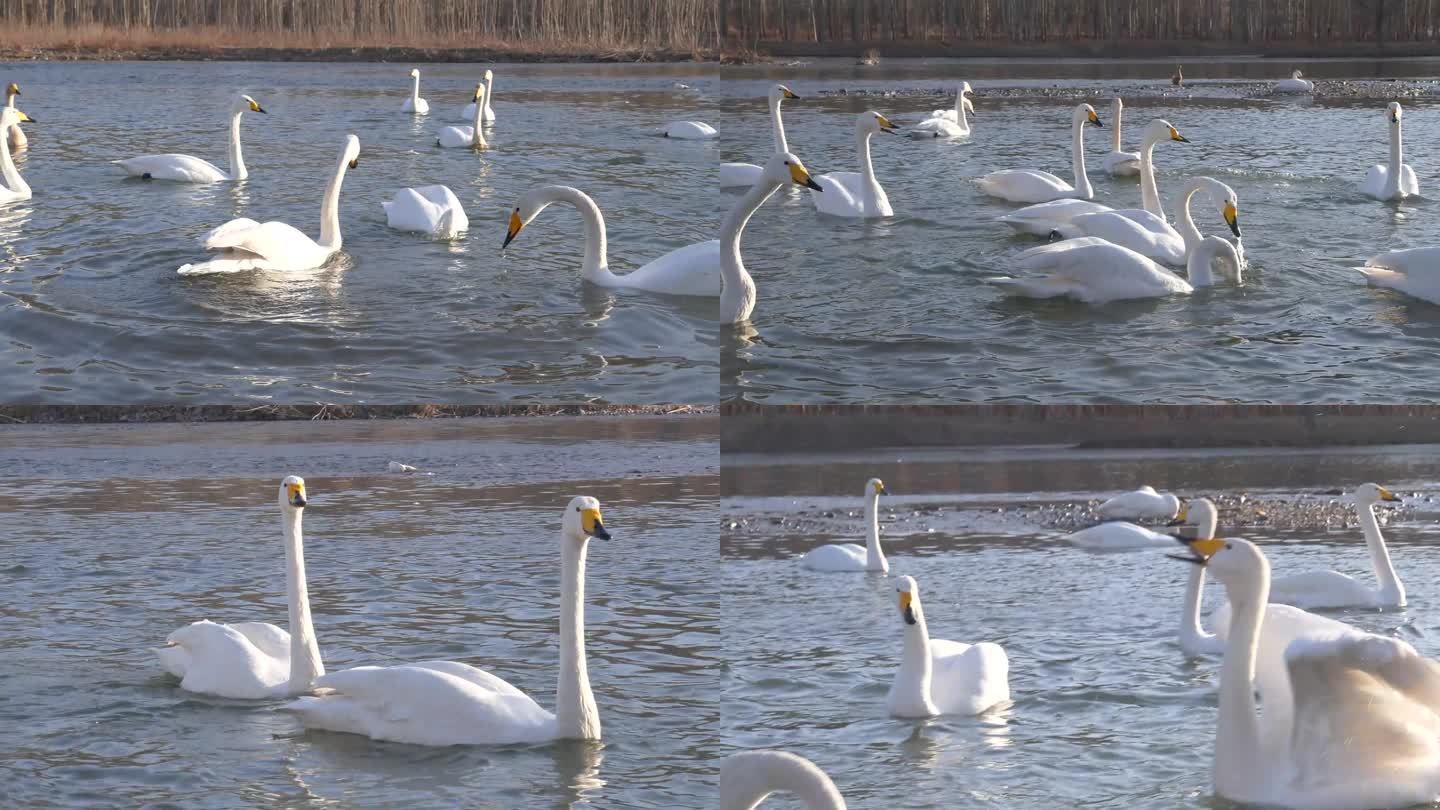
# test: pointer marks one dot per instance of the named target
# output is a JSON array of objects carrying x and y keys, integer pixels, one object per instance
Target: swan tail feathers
[
  {"x": 1032, "y": 287},
  {"x": 1380, "y": 276}
]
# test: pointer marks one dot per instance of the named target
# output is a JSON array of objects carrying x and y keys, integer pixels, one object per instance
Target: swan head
[
  {"x": 1224, "y": 198},
  {"x": 12, "y": 89},
  {"x": 352, "y": 151},
  {"x": 489, "y": 75},
  {"x": 875, "y": 487},
  {"x": 780, "y": 91},
  {"x": 1161, "y": 130},
  {"x": 1294, "y": 74},
  {"x": 1116, "y": 105},
  {"x": 582, "y": 520},
  {"x": 244, "y": 103},
  {"x": 1239, "y": 564},
  {"x": 965, "y": 88},
  {"x": 9, "y": 117},
  {"x": 909, "y": 594},
  {"x": 784, "y": 168},
  {"x": 1392, "y": 111},
  {"x": 479, "y": 93},
  {"x": 414, "y": 73},
  {"x": 1085, "y": 114},
  {"x": 1200, "y": 513},
  {"x": 292, "y": 493},
  {"x": 1370, "y": 494},
  {"x": 871, "y": 122}
]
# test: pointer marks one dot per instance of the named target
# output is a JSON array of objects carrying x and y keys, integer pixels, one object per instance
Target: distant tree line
[{"x": 1038, "y": 21}]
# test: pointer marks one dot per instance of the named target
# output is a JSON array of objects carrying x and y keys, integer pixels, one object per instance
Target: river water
[{"x": 116, "y": 536}]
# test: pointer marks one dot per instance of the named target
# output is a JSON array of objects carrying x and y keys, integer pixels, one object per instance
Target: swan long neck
[
  {"x": 237, "y": 161},
  {"x": 1397, "y": 160},
  {"x": 576, "y": 717},
  {"x": 1117, "y": 111},
  {"x": 595, "y": 265},
  {"x": 749, "y": 781},
  {"x": 960, "y": 111},
  {"x": 777, "y": 126},
  {"x": 13, "y": 181},
  {"x": 874, "y": 557},
  {"x": 1192, "y": 635},
  {"x": 1392, "y": 592},
  {"x": 1186, "y": 223},
  {"x": 414, "y": 90},
  {"x": 1149, "y": 192},
  {"x": 10, "y": 99},
  {"x": 1199, "y": 264},
  {"x": 1077, "y": 159},
  {"x": 330, "y": 208},
  {"x": 737, "y": 294},
  {"x": 305, "y": 662},
  {"x": 489, "y": 88},
  {"x": 912, "y": 680},
  {"x": 1238, "y": 761},
  {"x": 480, "y": 121},
  {"x": 867, "y": 172}
]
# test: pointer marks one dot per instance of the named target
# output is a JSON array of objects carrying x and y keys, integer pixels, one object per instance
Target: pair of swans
[
  {"x": 15, "y": 187},
  {"x": 467, "y": 113},
  {"x": 937, "y": 676},
  {"x": 1351, "y": 719},
  {"x": 1095, "y": 271},
  {"x": 415, "y": 104},
  {"x": 471, "y": 137},
  {"x": 430, "y": 703},
  {"x": 1395, "y": 180},
  {"x": 187, "y": 169},
  {"x": 431, "y": 210},
  {"x": 245, "y": 244},
  {"x": 733, "y": 175},
  {"x": 748, "y": 778},
  {"x": 856, "y": 194},
  {"x": 947, "y": 123},
  {"x": 16, "y": 139},
  {"x": 1140, "y": 504},
  {"x": 850, "y": 556},
  {"x": 1295, "y": 84},
  {"x": 737, "y": 288},
  {"x": 1034, "y": 186},
  {"x": 1117, "y": 533},
  {"x": 1154, "y": 237}
]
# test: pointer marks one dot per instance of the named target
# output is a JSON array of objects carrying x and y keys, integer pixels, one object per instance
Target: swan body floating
[
  {"x": 15, "y": 188},
  {"x": 433, "y": 210},
  {"x": 468, "y": 112},
  {"x": 1295, "y": 84},
  {"x": 690, "y": 131},
  {"x": 1354, "y": 722},
  {"x": 16, "y": 139},
  {"x": 415, "y": 104},
  {"x": 1119, "y": 535},
  {"x": 1153, "y": 237},
  {"x": 849, "y": 556},
  {"x": 471, "y": 137},
  {"x": 442, "y": 703},
  {"x": 856, "y": 194},
  {"x": 1395, "y": 180},
  {"x": 937, "y": 676},
  {"x": 748, "y": 778},
  {"x": 1140, "y": 504},
  {"x": 1119, "y": 163},
  {"x": 245, "y": 244},
  {"x": 1413, "y": 271},
  {"x": 947, "y": 123},
  {"x": 746, "y": 174},
  {"x": 1332, "y": 589},
  {"x": 1041, "y": 219},
  {"x": 186, "y": 169},
  {"x": 1095, "y": 271},
  {"x": 737, "y": 288},
  {"x": 1033, "y": 186},
  {"x": 690, "y": 270},
  {"x": 255, "y": 660}
]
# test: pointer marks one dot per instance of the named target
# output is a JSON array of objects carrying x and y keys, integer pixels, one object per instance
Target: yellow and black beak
[
  {"x": 13, "y": 89},
  {"x": 886, "y": 125},
  {"x": 1394, "y": 117},
  {"x": 479, "y": 91},
  {"x": 25, "y": 119},
  {"x": 592, "y": 525},
  {"x": 515, "y": 225},
  {"x": 255, "y": 107},
  {"x": 1200, "y": 550},
  {"x": 1232, "y": 217},
  {"x": 801, "y": 177},
  {"x": 788, "y": 94},
  {"x": 880, "y": 488},
  {"x": 1387, "y": 495},
  {"x": 295, "y": 494},
  {"x": 1180, "y": 515},
  {"x": 907, "y": 608},
  {"x": 1176, "y": 136},
  {"x": 1092, "y": 118}
]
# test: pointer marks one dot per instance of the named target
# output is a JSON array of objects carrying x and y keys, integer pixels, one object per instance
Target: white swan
[
  {"x": 1095, "y": 271},
  {"x": 1294, "y": 84},
  {"x": 1353, "y": 723},
  {"x": 856, "y": 194},
  {"x": 689, "y": 131},
  {"x": 1119, "y": 163},
  {"x": 1413, "y": 271},
  {"x": 1119, "y": 535},
  {"x": 471, "y": 137},
  {"x": 433, "y": 210},
  {"x": 415, "y": 104},
  {"x": 1152, "y": 236},
  {"x": 1332, "y": 589},
  {"x": 17, "y": 139},
  {"x": 186, "y": 169},
  {"x": 1033, "y": 186},
  {"x": 1142, "y": 503},
  {"x": 1043, "y": 219},
  {"x": 253, "y": 659},
  {"x": 1394, "y": 181},
  {"x": 468, "y": 112},
  {"x": 849, "y": 556},
  {"x": 249, "y": 245},
  {"x": 947, "y": 123},
  {"x": 746, "y": 174},
  {"x": 748, "y": 778},
  {"x": 450, "y": 703},
  {"x": 15, "y": 187},
  {"x": 937, "y": 676},
  {"x": 737, "y": 288},
  {"x": 690, "y": 270}
]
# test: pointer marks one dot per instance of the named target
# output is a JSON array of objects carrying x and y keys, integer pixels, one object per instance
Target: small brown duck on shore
[{"x": 1179, "y": 78}]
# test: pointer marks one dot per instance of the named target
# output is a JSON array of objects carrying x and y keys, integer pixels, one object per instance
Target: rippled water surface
[
  {"x": 91, "y": 309},
  {"x": 1105, "y": 710},
  {"x": 895, "y": 309},
  {"x": 114, "y": 537}
]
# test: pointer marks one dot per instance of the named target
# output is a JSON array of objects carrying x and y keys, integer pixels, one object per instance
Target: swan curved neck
[
  {"x": 755, "y": 775},
  {"x": 874, "y": 557},
  {"x": 1397, "y": 161},
  {"x": 414, "y": 90},
  {"x": 1193, "y": 637},
  {"x": 330, "y": 208},
  {"x": 13, "y": 181},
  {"x": 1149, "y": 192},
  {"x": 1117, "y": 112},
  {"x": 911, "y": 691},
  {"x": 594, "y": 267},
  {"x": 305, "y": 662},
  {"x": 1392, "y": 592},
  {"x": 576, "y": 717},
  {"x": 1077, "y": 159},
  {"x": 871, "y": 191},
  {"x": 737, "y": 293},
  {"x": 1186, "y": 223},
  {"x": 1239, "y": 766},
  {"x": 777, "y": 126},
  {"x": 237, "y": 161}
]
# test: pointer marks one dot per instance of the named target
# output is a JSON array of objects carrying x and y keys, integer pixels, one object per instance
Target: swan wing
[
  {"x": 690, "y": 130},
  {"x": 1025, "y": 185},
  {"x": 1374, "y": 183},
  {"x": 479, "y": 677},
  {"x": 455, "y": 137},
  {"x": 835, "y": 557},
  {"x": 937, "y": 127},
  {"x": 274, "y": 241},
  {"x": 841, "y": 195},
  {"x": 1117, "y": 228},
  {"x": 739, "y": 174},
  {"x": 1119, "y": 536},
  {"x": 1042, "y": 218},
  {"x": 1094, "y": 271},
  {"x": 175, "y": 168},
  {"x": 968, "y": 678},
  {"x": 269, "y": 639},
  {"x": 1321, "y": 589},
  {"x": 424, "y": 210},
  {"x": 217, "y": 659},
  {"x": 1122, "y": 164},
  {"x": 1408, "y": 182},
  {"x": 690, "y": 270},
  {"x": 1142, "y": 503}
]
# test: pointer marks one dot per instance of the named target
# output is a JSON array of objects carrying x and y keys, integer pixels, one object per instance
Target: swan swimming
[
  {"x": 186, "y": 169},
  {"x": 1294, "y": 84},
  {"x": 1033, "y": 186},
  {"x": 432, "y": 210},
  {"x": 1142, "y": 503},
  {"x": 15, "y": 188},
  {"x": 689, "y": 131},
  {"x": 947, "y": 123},
  {"x": 737, "y": 288},
  {"x": 690, "y": 270},
  {"x": 748, "y": 778},
  {"x": 1095, "y": 271},
  {"x": 468, "y": 112},
  {"x": 471, "y": 137},
  {"x": 1119, "y": 163},
  {"x": 856, "y": 194},
  {"x": 1395, "y": 180},
  {"x": 849, "y": 556},
  {"x": 937, "y": 676},
  {"x": 1412, "y": 271},
  {"x": 249, "y": 245},
  {"x": 1118, "y": 534},
  {"x": 17, "y": 139},
  {"x": 253, "y": 660},
  {"x": 415, "y": 104},
  {"x": 442, "y": 703},
  {"x": 1353, "y": 723},
  {"x": 746, "y": 174},
  {"x": 1332, "y": 589},
  {"x": 1153, "y": 237}
]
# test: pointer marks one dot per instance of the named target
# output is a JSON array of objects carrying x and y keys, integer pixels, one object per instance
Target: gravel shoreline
[{"x": 141, "y": 414}]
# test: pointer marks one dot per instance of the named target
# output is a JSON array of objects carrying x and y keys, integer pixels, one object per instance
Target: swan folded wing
[
  {"x": 179, "y": 168},
  {"x": 274, "y": 241},
  {"x": 268, "y": 638},
  {"x": 739, "y": 174},
  {"x": 222, "y": 661},
  {"x": 1097, "y": 271},
  {"x": 968, "y": 678},
  {"x": 690, "y": 270},
  {"x": 456, "y": 136},
  {"x": 1321, "y": 589},
  {"x": 1025, "y": 185},
  {"x": 1374, "y": 184},
  {"x": 1118, "y": 228},
  {"x": 412, "y": 210},
  {"x": 1042, "y": 218},
  {"x": 835, "y": 557},
  {"x": 1409, "y": 183},
  {"x": 1366, "y": 732},
  {"x": 1118, "y": 536},
  {"x": 936, "y": 128},
  {"x": 841, "y": 194}
]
